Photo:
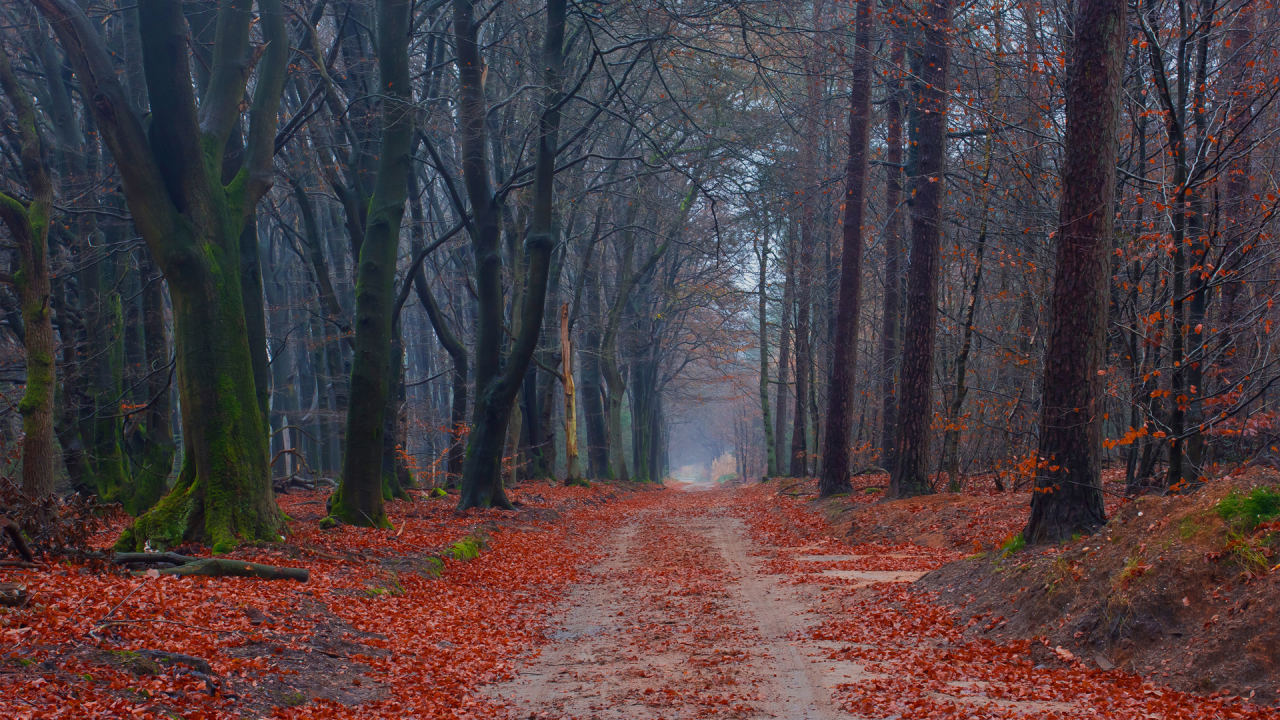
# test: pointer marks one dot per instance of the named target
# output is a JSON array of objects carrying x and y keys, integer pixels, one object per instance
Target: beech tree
[{"x": 192, "y": 222}]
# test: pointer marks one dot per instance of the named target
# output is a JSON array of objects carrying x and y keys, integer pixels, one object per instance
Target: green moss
[
  {"x": 165, "y": 525},
  {"x": 438, "y": 493},
  {"x": 468, "y": 548},
  {"x": 434, "y": 567},
  {"x": 1246, "y": 512},
  {"x": 577, "y": 482}
]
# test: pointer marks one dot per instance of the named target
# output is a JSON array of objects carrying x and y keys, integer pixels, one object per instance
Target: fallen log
[
  {"x": 220, "y": 567},
  {"x": 15, "y": 534},
  {"x": 124, "y": 558},
  {"x": 212, "y": 567},
  {"x": 170, "y": 658}
]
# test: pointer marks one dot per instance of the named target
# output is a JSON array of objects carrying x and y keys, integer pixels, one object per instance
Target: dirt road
[
  {"x": 690, "y": 615},
  {"x": 679, "y": 620}
]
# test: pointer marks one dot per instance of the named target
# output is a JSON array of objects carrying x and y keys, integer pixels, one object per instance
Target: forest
[{"x": 287, "y": 279}]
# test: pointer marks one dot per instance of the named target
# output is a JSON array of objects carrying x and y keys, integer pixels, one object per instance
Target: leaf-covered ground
[{"x": 604, "y": 602}]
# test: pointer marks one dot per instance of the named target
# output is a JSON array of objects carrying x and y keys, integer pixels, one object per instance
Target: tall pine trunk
[
  {"x": 1068, "y": 493},
  {"x": 915, "y": 403},
  {"x": 891, "y": 328},
  {"x": 835, "y": 451}
]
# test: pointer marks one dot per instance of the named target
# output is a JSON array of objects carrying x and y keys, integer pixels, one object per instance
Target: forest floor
[{"x": 612, "y": 602}]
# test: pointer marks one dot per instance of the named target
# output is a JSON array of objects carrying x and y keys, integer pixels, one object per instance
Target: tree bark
[
  {"x": 29, "y": 230},
  {"x": 766, "y": 420},
  {"x": 891, "y": 328},
  {"x": 496, "y": 389},
  {"x": 784, "y": 347},
  {"x": 573, "y": 475},
  {"x": 359, "y": 497},
  {"x": 592, "y": 386},
  {"x": 835, "y": 451},
  {"x": 192, "y": 225},
  {"x": 1068, "y": 492},
  {"x": 915, "y": 404}
]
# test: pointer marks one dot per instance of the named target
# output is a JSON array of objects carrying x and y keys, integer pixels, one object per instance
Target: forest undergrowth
[{"x": 373, "y": 633}]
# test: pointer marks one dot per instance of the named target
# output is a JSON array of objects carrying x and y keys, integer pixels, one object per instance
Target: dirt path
[
  {"x": 680, "y": 620},
  {"x": 738, "y": 605}
]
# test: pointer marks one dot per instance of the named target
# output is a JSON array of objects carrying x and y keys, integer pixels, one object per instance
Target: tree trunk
[
  {"x": 951, "y": 438},
  {"x": 192, "y": 224},
  {"x": 835, "y": 451},
  {"x": 592, "y": 388},
  {"x": 572, "y": 474},
  {"x": 915, "y": 404},
  {"x": 29, "y": 230},
  {"x": 496, "y": 389},
  {"x": 784, "y": 348},
  {"x": 1068, "y": 492},
  {"x": 891, "y": 328},
  {"x": 766, "y": 420},
  {"x": 359, "y": 497}
]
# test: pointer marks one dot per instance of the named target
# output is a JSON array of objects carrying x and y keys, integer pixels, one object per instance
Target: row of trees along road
[{"x": 260, "y": 244}]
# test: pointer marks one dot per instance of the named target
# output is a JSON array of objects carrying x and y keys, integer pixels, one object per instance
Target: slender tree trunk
[
  {"x": 496, "y": 389},
  {"x": 835, "y": 451},
  {"x": 951, "y": 438},
  {"x": 766, "y": 420},
  {"x": 804, "y": 285},
  {"x": 915, "y": 404},
  {"x": 891, "y": 328},
  {"x": 784, "y": 349},
  {"x": 592, "y": 387},
  {"x": 1068, "y": 494},
  {"x": 359, "y": 497},
  {"x": 573, "y": 475}
]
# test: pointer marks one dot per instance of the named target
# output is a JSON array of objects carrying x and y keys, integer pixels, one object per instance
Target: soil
[{"x": 1152, "y": 593}]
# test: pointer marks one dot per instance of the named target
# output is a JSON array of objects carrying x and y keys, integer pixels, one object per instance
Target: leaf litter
[{"x": 591, "y": 603}]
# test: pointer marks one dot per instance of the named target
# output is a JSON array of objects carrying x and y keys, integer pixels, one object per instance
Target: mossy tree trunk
[
  {"x": 29, "y": 231},
  {"x": 192, "y": 224},
  {"x": 359, "y": 497}
]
